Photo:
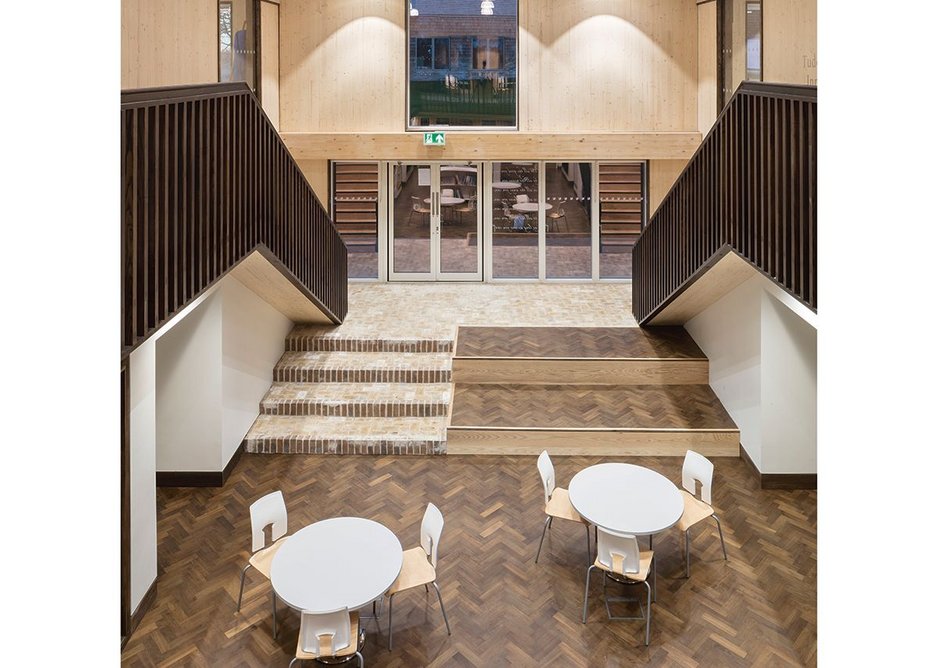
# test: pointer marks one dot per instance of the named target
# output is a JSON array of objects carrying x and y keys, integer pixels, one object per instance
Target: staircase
[
  {"x": 335, "y": 394},
  {"x": 618, "y": 391}
]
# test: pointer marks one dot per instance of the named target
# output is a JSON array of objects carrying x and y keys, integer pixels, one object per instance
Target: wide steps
[
  {"x": 318, "y": 338},
  {"x": 363, "y": 367},
  {"x": 279, "y": 434},
  {"x": 358, "y": 399}
]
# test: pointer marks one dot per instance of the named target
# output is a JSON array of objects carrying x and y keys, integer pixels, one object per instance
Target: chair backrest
[
  {"x": 324, "y": 634},
  {"x": 430, "y": 531},
  {"x": 618, "y": 551},
  {"x": 522, "y": 198},
  {"x": 696, "y": 467},
  {"x": 447, "y": 192},
  {"x": 269, "y": 509},
  {"x": 547, "y": 475}
]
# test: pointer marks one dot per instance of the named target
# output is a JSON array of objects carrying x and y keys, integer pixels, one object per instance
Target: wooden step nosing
[
  {"x": 674, "y": 430},
  {"x": 501, "y": 358}
]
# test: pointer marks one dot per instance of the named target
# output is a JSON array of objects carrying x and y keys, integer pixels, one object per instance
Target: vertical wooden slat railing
[
  {"x": 751, "y": 187},
  {"x": 205, "y": 181}
]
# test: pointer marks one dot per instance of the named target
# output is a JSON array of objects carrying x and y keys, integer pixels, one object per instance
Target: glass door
[{"x": 435, "y": 222}]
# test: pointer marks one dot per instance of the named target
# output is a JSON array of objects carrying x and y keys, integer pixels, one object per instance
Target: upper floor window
[
  {"x": 237, "y": 53},
  {"x": 462, "y": 64}
]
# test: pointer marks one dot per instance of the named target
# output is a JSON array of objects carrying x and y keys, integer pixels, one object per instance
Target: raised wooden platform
[
  {"x": 578, "y": 355},
  {"x": 578, "y": 390}
]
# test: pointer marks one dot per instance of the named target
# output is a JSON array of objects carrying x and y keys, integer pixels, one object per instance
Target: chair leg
[
  {"x": 293, "y": 661},
  {"x": 647, "y": 626},
  {"x": 360, "y": 659},
  {"x": 442, "y": 607},
  {"x": 686, "y": 540},
  {"x": 588, "y": 546},
  {"x": 546, "y": 524},
  {"x": 721, "y": 539},
  {"x": 273, "y": 595},
  {"x": 390, "y": 622},
  {"x": 241, "y": 592},
  {"x": 585, "y": 601}
]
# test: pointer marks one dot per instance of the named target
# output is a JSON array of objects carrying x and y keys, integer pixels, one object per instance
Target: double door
[{"x": 435, "y": 221}]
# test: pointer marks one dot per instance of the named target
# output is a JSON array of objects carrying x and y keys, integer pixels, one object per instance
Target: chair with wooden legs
[
  {"x": 556, "y": 503},
  {"x": 419, "y": 567},
  {"x": 619, "y": 554},
  {"x": 697, "y": 468},
  {"x": 269, "y": 510},
  {"x": 418, "y": 207},
  {"x": 328, "y": 635}
]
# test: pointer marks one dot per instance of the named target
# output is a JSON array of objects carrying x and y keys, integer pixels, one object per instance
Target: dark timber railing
[
  {"x": 205, "y": 181},
  {"x": 751, "y": 187}
]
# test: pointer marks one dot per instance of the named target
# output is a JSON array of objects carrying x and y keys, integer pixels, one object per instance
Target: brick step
[
  {"x": 358, "y": 399},
  {"x": 348, "y": 367},
  {"x": 312, "y": 338},
  {"x": 290, "y": 434}
]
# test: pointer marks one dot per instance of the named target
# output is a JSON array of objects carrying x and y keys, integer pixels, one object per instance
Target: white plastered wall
[
  {"x": 142, "y": 471},
  {"x": 762, "y": 355}
]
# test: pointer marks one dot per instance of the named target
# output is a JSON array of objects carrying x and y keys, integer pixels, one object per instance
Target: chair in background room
[
  {"x": 418, "y": 207},
  {"x": 328, "y": 635},
  {"x": 419, "y": 567},
  {"x": 556, "y": 503},
  {"x": 269, "y": 510},
  {"x": 468, "y": 207},
  {"x": 522, "y": 199},
  {"x": 554, "y": 215},
  {"x": 695, "y": 510},
  {"x": 619, "y": 554}
]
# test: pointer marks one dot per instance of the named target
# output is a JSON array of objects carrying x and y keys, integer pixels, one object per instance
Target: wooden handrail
[
  {"x": 206, "y": 181},
  {"x": 751, "y": 188}
]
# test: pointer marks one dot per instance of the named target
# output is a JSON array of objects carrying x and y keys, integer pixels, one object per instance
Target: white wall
[
  {"x": 253, "y": 339},
  {"x": 762, "y": 365},
  {"x": 142, "y": 471}
]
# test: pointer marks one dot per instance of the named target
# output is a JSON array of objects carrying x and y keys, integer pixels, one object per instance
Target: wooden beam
[{"x": 492, "y": 146}]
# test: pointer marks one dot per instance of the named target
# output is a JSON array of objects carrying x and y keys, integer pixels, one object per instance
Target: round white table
[
  {"x": 505, "y": 185},
  {"x": 626, "y": 498},
  {"x": 531, "y": 206},
  {"x": 343, "y": 562},
  {"x": 448, "y": 201}
]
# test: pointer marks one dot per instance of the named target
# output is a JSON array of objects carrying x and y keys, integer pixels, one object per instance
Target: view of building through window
[
  {"x": 462, "y": 63},
  {"x": 237, "y": 42}
]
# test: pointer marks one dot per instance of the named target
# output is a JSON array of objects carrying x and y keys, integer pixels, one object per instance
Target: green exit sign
[{"x": 434, "y": 139}]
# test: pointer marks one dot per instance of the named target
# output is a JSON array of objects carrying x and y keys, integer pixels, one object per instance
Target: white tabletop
[
  {"x": 448, "y": 201},
  {"x": 456, "y": 168},
  {"x": 531, "y": 206},
  {"x": 626, "y": 498},
  {"x": 343, "y": 562},
  {"x": 505, "y": 185}
]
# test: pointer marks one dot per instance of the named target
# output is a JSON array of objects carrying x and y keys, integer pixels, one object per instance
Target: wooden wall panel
[
  {"x": 317, "y": 174},
  {"x": 706, "y": 63},
  {"x": 607, "y": 65},
  {"x": 342, "y": 65},
  {"x": 661, "y": 176},
  {"x": 270, "y": 61},
  {"x": 790, "y": 41},
  {"x": 168, "y": 42}
]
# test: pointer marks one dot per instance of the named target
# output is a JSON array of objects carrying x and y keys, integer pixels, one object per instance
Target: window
[
  {"x": 237, "y": 42},
  {"x": 740, "y": 34},
  {"x": 462, "y": 64}
]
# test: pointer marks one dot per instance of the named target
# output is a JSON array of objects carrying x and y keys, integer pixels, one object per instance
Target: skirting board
[
  {"x": 145, "y": 603},
  {"x": 199, "y": 478},
  {"x": 780, "y": 480}
]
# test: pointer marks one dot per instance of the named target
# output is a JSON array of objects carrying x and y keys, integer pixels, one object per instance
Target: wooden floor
[
  {"x": 589, "y": 406},
  {"x": 757, "y": 609},
  {"x": 577, "y": 342}
]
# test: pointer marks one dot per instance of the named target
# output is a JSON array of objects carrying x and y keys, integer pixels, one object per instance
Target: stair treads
[
  {"x": 336, "y": 367},
  {"x": 577, "y": 342},
  {"x": 589, "y": 407},
  {"x": 358, "y": 399},
  {"x": 317, "y": 337}
]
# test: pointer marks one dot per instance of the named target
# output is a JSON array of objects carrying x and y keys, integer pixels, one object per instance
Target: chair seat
[
  {"x": 559, "y": 506},
  {"x": 416, "y": 571},
  {"x": 262, "y": 559},
  {"x": 644, "y": 567},
  {"x": 694, "y": 511},
  {"x": 348, "y": 651}
]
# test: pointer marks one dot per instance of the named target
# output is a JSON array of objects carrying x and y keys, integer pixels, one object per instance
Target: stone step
[
  {"x": 313, "y": 338},
  {"x": 347, "y": 367},
  {"x": 290, "y": 434},
  {"x": 358, "y": 399}
]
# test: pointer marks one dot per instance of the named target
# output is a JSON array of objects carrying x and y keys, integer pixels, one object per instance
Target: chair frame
[
  {"x": 548, "y": 478},
  {"x": 264, "y": 512},
  {"x": 356, "y": 639},
  {"x": 696, "y": 468}
]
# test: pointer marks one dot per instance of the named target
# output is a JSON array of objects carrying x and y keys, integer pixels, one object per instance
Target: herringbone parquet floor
[
  {"x": 577, "y": 342},
  {"x": 757, "y": 609}
]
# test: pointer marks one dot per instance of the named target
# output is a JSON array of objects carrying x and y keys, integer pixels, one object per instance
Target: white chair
[
  {"x": 269, "y": 510},
  {"x": 522, "y": 199},
  {"x": 556, "y": 503},
  {"x": 619, "y": 553},
  {"x": 695, "y": 510},
  {"x": 447, "y": 192},
  {"x": 419, "y": 567},
  {"x": 328, "y": 635}
]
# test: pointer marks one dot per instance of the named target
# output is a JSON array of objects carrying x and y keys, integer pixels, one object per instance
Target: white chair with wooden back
[
  {"x": 419, "y": 567},
  {"x": 556, "y": 503},
  {"x": 269, "y": 510},
  {"x": 696, "y": 468},
  {"x": 328, "y": 635},
  {"x": 619, "y": 554}
]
